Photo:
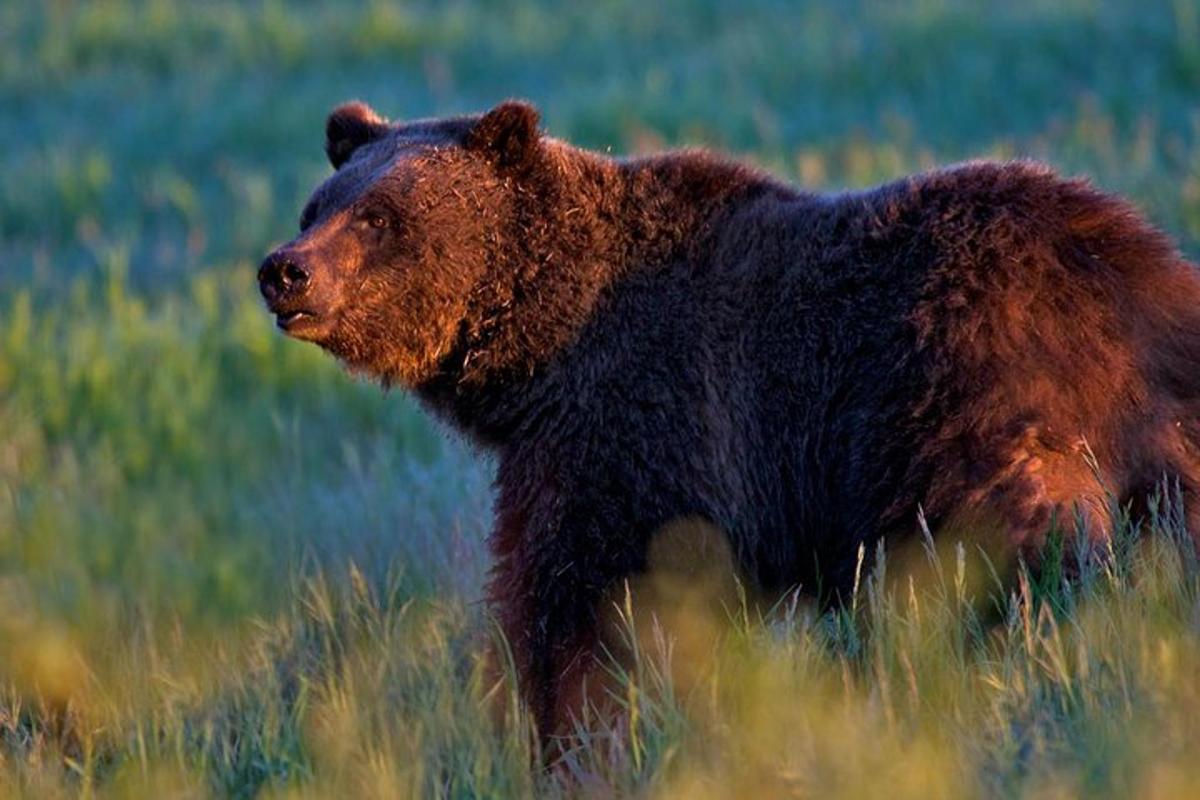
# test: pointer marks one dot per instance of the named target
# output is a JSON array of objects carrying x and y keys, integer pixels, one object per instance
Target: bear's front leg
[{"x": 553, "y": 577}]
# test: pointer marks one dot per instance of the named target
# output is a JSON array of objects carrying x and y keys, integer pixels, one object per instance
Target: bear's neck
[{"x": 581, "y": 224}]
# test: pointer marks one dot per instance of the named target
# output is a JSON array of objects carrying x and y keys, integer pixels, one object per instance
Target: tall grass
[
  {"x": 228, "y": 569},
  {"x": 946, "y": 683}
]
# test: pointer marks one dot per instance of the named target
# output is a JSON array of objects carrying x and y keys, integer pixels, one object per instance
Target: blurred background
[
  {"x": 167, "y": 459},
  {"x": 153, "y": 423}
]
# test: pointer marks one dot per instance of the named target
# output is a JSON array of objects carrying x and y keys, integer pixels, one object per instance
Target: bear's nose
[{"x": 280, "y": 275}]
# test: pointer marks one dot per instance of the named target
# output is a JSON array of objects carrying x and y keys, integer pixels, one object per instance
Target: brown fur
[{"x": 683, "y": 338}]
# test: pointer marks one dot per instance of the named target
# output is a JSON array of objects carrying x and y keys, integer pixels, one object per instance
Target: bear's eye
[{"x": 377, "y": 221}]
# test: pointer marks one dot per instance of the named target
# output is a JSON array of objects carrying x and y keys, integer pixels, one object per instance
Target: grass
[{"x": 228, "y": 569}]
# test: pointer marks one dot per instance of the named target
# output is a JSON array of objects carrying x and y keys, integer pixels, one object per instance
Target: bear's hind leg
[{"x": 1011, "y": 510}]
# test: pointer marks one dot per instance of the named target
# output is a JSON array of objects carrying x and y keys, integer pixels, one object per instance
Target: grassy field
[{"x": 228, "y": 569}]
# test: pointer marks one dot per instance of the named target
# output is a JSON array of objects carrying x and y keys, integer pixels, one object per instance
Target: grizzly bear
[{"x": 681, "y": 337}]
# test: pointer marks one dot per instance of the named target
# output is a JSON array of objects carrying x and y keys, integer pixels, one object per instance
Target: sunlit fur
[{"x": 681, "y": 337}]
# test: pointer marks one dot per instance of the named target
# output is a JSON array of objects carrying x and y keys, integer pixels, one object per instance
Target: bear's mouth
[
  {"x": 301, "y": 324},
  {"x": 286, "y": 320}
]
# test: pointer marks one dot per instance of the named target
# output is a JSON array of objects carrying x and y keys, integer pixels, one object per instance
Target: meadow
[{"x": 229, "y": 569}]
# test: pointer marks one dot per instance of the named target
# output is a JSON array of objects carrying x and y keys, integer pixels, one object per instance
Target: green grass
[{"x": 226, "y": 568}]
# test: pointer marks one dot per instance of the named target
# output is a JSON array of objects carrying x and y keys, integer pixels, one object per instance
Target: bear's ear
[
  {"x": 349, "y": 127},
  {"x": 508, "y": 134}
]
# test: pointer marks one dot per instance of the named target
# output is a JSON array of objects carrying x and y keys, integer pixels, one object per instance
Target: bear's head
[{"x": 396, "y": 243}]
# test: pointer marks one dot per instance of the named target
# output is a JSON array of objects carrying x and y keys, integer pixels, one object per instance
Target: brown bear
[{"x": 681, "y": 337}]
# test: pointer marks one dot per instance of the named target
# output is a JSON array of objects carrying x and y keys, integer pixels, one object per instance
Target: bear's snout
[
  {"x": 288, "y": 282},
  {"x": 282, "y": 277}
]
